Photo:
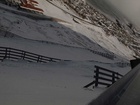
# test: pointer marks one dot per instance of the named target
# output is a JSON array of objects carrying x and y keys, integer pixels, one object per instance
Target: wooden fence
[
  {"x": 106, "y": 55},
  {"x": 104, "y": 77},
  {"x": 16, "y": 54}
]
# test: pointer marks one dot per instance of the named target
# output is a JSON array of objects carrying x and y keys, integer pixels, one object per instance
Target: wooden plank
[
  {"x": 2, "y": 53},
  {"x": 44, "y": 60},
  {"x": 102, "y": 78},
  {"x": 50, "y": 59},
  {"x": 29, "y": 55},
  {"x": 13, "y": 57},
  {"x": 101, "y": 68},
  {"x": 16, "y": 52},
  {"x": 28, "y": 58},
  {"x": 97, "y": 75},
  {"x": 109, "y": 75},
  {"x": 2, "y": 50}
]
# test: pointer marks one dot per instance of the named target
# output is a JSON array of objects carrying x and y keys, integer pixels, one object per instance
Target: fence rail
[
  {"x": 104, "y": 77},
  {"x": 16, "y": 54},
  {"x": 106, "y": 55}
]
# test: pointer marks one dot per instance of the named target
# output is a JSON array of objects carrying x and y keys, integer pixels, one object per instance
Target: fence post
[
  {"x": 113, "y": 77},
  {"x": 9, "y": 53},
  {"x": 23, "y": 56},
  {"x": 5, "y": 53},
  {"x": 96, "y": 76},
  {"x": 38, "y": 59},
  {"x": 51, "y": 59}
]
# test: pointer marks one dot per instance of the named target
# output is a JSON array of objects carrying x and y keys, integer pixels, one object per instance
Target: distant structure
[
  {"x": 26, "y": 4},
  {"x": 30, "y": 5}
]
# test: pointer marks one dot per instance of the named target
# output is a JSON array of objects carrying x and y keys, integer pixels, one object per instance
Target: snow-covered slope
[
  {"x": 94, "y": 33},
  {"x": 58, "y": 83},
  {"x": 53, "y": 83},
  {"x": 68, "y": 33}
]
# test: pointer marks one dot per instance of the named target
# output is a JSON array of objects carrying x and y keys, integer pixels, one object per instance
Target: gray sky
[{"x": 131, "y": 8}]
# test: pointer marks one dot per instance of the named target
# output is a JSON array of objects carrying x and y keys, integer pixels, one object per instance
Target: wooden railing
[
  {"x": 113, "y": 94},
  {"x": 106, "y": 55},
  {"x": 104, "y": 77},
  {"x": 16, "y": 54}
]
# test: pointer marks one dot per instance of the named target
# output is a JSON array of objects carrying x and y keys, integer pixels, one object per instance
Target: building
[{"x": 31, "y": 5}]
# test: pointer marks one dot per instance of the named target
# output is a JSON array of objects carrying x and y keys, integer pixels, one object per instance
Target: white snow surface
[
  {"x": 52, "y": 84},
  {"x": 61, "y": 83},
  {"x": 63, "y": 32}
]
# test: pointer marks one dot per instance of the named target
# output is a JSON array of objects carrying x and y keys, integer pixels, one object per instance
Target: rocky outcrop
[{"x": 114, "y": 28}]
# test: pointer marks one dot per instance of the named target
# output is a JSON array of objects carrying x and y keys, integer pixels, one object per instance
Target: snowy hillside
[
  {"x": 58, "y": 35},
  {"x": 63, "y": 32}
]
